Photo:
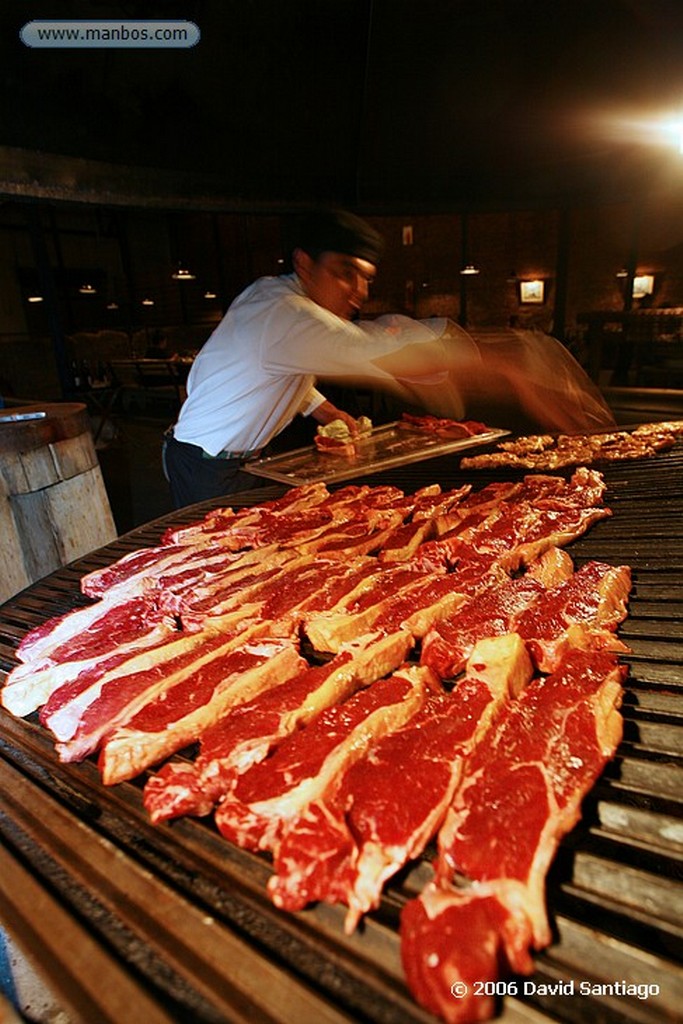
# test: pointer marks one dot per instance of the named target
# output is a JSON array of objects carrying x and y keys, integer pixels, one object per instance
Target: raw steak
[
  {"x": 492, "y": 612},
  {"x": 81, "y": 642},
  {"x": 81, "y": 715},
  {"x": 221, "y": 520},
  {"x": 349, "y": 540},
  {"x": 330, "y": 630},
  {"x": 192, "y": 702},
  {"x": 493, "y": 521},
  {"x": 519, "y": 523},
  {"x": 403, "y": 542},
  {"x": 518, "y": 533},
  {"x": 582, "y": 611},
  {"x": 270, "y": 592},
  {"x": 439, "y": 426},
  {"x": 304, "y": 765},
  {"x": 389, "y": 804},
  {"x": 162, "y": 567},
  {"x": 544, "y": 757},
  {"x": 197, "y": 582},
  {"x": 430, "y": 502},
  {"x": 249, "y": 733}
]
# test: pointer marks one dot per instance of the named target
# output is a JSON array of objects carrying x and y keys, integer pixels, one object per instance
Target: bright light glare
[
  {"x": 675, "y": 128},
  {"x": 646, "y": 130}
]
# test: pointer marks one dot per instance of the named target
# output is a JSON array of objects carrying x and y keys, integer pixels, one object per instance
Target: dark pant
[{"x": 193, "y": 476}]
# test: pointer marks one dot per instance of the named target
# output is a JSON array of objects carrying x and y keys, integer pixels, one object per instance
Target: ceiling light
[
  {"x": 34, "y": 298},
  {"x": 87, "y": 289},
  {"x": 112, "y": 305},
  {"x": 209, "y": 295},
  {"x": 469, "y": 270},
  {"x": 183, "y": 274},
  {"x": 148, "y": 302}
]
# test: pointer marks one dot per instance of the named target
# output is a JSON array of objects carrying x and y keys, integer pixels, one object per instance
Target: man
[{"x": 258, "y": 369}]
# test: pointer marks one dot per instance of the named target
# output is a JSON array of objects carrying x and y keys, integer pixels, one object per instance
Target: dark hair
[{"x": 339, "y": 231}]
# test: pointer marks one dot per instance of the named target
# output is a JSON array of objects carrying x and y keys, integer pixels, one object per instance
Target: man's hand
[{"x": 327, "y": 412}]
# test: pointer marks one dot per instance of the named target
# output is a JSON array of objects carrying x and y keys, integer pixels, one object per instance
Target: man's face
[{"x": 337, "y": 282}]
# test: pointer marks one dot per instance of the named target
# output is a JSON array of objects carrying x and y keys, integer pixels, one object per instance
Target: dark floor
[
  {"x": 129, "y": 448},
  {"x": 129, "y": 452}
]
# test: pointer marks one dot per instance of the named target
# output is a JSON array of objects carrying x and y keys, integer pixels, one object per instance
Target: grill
[{"x": 174, "y": 921}]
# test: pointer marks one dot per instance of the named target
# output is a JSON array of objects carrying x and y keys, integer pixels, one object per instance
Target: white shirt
[{"x": 258, "y": 368}]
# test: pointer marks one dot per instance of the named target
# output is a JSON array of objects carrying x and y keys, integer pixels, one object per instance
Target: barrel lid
[{"x": 62, "y": 420}]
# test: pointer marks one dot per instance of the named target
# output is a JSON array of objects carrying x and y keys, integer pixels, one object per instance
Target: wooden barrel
[{"x": 53, "y": 503}]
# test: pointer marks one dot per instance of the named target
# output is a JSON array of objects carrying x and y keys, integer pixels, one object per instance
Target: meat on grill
[
  {"x": 389, "y": 804},
  {"x": 417, "y": 601},
  {"x": 519, "y": 532},
  {"x": 218, "y": 521},
  {"x": 514, "y": 524},
  {"x": 308, "y": 762},
  {"x": 249, "y": 733},
  {"x": 81, "y": 720},
  {"x": 194, "y": 701},
  {"x": 77, "y": 632},
  {"x": 582, "y": 611},
  {"x": 167, "y": 567},
  {"x": 92, "y": 637},
  {"x": 545, "y": 755},
  {"x": 552, "y": 610},
  {"x": 197, "y": 639}
]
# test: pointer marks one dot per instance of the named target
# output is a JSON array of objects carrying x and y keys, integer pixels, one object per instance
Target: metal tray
[{"x": 389, "y": 445}]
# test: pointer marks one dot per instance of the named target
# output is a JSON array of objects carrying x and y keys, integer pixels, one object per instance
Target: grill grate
[{"x": 175, "y": 920}]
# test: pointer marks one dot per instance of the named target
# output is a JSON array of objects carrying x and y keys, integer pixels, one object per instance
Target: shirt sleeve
[
  {"x": 305, "y": 338},
  {"x": 311, "y": 401}
]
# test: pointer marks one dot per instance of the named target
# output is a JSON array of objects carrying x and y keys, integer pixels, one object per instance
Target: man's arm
[{"x": 326, "y": 412}]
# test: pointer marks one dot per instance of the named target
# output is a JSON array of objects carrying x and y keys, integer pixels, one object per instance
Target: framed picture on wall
[
  {"x": 643, "y": 284},
  {"x": 532, "y": 292}
]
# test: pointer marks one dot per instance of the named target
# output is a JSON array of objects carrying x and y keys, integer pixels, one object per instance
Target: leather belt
[
  {"x": 228, "y": 456},
  {"x": 253, "y": 453}
]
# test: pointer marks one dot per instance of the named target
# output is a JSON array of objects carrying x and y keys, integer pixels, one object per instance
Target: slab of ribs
[{"x": 343, "y": 678}]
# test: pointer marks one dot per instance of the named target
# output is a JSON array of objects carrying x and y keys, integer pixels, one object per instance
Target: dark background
[{"x": 381, "y": 104}]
